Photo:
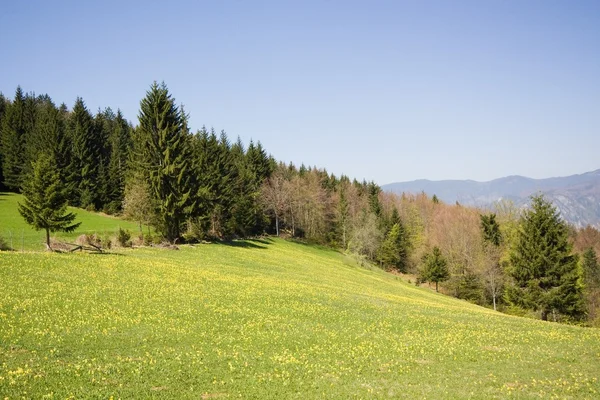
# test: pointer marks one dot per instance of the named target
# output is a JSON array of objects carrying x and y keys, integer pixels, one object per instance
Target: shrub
[{"x": 124, "y": 238}]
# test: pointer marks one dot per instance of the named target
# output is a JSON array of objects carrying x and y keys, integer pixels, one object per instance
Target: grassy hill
[
  {"x": 13, "y": 227},
  {"x": 265, "y": 319}
]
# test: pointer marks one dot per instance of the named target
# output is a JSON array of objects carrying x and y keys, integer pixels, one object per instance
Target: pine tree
[
  {"x": 490, "y": 229},
  {"x": 3, "y": 105},
  {"x": 342, "y": 221},
  {"x": 543, "y": 266},
  {"x": 165, "y": 156},
  {"x": 591, "y": 269},
  {"x": 434, "y": 268},
  {"x": 374, "y": 203},
  {"x": 120, "y": 143},
  {"x": 84, "y": 162},
  {"x": 45, "y": 200},
  {"x": 13, "y": 141},
  {"x": 394, "y": 249}
]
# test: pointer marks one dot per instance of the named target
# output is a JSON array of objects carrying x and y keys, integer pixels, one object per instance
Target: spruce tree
[
  {"x": 342, "y": 220},
  {"x": 591, "y": 269},
  {"x": 165, "y": 156},
  {"x": 394, "y": 249},
  {"x": 13, "y": 141},
  {"x": 84, "y": 161},
  {"x": 120, "y": 143},
  {"x": 45, "y": 201},
  {"x": 543, "y": 266},
  {"x": 490, "y": 229},
  {"x": 3, "y": 105},
  {"x": 434, "y": 268}
]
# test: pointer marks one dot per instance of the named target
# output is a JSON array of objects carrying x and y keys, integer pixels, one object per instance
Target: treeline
[{"x": 193, "y": 186}]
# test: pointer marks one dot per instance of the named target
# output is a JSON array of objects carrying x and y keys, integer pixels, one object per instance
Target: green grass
[
  {"x": 14, "y": 229},
  {"x": 266, "y": 320}
]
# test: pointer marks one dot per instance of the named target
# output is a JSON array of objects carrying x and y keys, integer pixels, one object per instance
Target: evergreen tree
[
  {"x": 343, "y": 216},
  {"x": 120, "y": 143},
  {"x": 543, "y": 266},
  {"x": 13, "y": 141},
  {"x": 434, "y": 268},
  {"x": 165, "y": 156},
  {"x": 3, "y": 105},
  {"x": 591, "y": 281},
  {"x": 84, "y": 161},
  {"x": 374, "y": 204},
  {"x": 394, "y": 249},
  {"x": 45, "y": 200},
  {"x": 591, "y": 269},
  {"x": 490, "y": 229}
]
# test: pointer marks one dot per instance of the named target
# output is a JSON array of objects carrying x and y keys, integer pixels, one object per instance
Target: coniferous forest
[{"x": 203, "y": 186}]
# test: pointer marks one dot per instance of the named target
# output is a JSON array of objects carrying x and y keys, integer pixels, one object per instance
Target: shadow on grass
[{"x": 245, "y": 244}]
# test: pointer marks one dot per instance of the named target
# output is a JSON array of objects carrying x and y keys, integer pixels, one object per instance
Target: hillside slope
[
  {"x": 265, "y": 319},
  {"x": 15, "y": 230},
  {"x": 577, "y": 196}
]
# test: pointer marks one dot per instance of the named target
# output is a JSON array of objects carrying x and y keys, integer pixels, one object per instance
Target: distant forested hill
[{"x": 577, "y": 196}]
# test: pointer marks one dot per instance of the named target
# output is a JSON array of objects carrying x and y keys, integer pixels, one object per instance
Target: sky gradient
[{"x": 384, "y": 91}]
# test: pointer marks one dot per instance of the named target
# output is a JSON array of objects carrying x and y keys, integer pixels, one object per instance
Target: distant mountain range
[{"x": 577, "y": 197}]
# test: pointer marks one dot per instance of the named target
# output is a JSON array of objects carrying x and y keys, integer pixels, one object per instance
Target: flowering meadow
[{"x": 265, "y": 319}]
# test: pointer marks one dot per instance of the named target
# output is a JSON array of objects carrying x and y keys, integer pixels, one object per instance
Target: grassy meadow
[
  {"x": 14, "y": 229},
  {"x": 265, "y": 319}
]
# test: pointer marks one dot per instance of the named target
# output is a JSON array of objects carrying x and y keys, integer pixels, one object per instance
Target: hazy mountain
[{"x": 577, "y": 196}]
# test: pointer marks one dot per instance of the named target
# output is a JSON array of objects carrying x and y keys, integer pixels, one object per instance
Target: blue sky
[{"x": 385, "y": 91}]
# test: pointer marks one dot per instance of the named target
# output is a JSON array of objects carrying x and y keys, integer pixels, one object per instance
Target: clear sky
[{"x": 378, "y": 90}]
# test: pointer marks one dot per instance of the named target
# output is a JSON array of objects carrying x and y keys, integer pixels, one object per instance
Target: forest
[{"x": 201, "y": 186}]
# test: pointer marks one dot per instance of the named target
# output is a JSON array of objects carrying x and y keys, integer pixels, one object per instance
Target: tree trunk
[
  {"x": 494, "y": 298},
  {"x": 436, "y": 286},
  {"x": 277, "y": 224},
  {"x": 544, "y": 315},
  {"x": 48, "y": 239}
]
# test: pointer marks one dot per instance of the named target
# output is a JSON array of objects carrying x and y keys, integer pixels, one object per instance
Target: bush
[
  {"x": 124, "y": 238},
  {"x": 3, "y": 244}
]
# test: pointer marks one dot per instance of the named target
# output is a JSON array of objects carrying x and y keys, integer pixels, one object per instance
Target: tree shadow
[{"x": 244, "y": 244}]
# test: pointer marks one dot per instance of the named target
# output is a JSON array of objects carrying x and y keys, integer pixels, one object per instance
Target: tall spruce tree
[
  {"x": 45, "y": 201},
  {"x": 13, "y": 141},
  {"x": 543, "y": 266},
  {"x": 490, "y": 229},
  {"x": 84, "y": 161},
  {"x": 434, "y": 268},
  {"x": 165, "y": 157},
  {"x": 394, "y": 249},
  {"x": 3, "y": 105},
  {"x": 591, "y": 269},
  {"x": 119, "y": 143}
]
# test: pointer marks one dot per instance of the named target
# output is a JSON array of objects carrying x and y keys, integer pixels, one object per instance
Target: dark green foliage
[
  {"x": 45, "y": 200},
  {"x": 85, "y": 156},
  {"x": 13, "y": 141},
  {"x": 434, "y": 268},
  {"x": 374, "y": 203},
  {"x": 543, "y": 266},
  {"x": 3, "y": 105},
  {"x": 394, "y": 249},
  {"x": 119, "y": 143},
  {"x": 165, "y": 158},
  {"x": 490, "y": 229},
  {"x": 435, "y": 199},
  {"x": 342, "y": 217},
  {"x": 591, "y": 269},
  {"x": 124, "y": 238}
]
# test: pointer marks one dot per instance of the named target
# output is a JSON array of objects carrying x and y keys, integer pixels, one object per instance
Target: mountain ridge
[{"x": 577, "y": 197}]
